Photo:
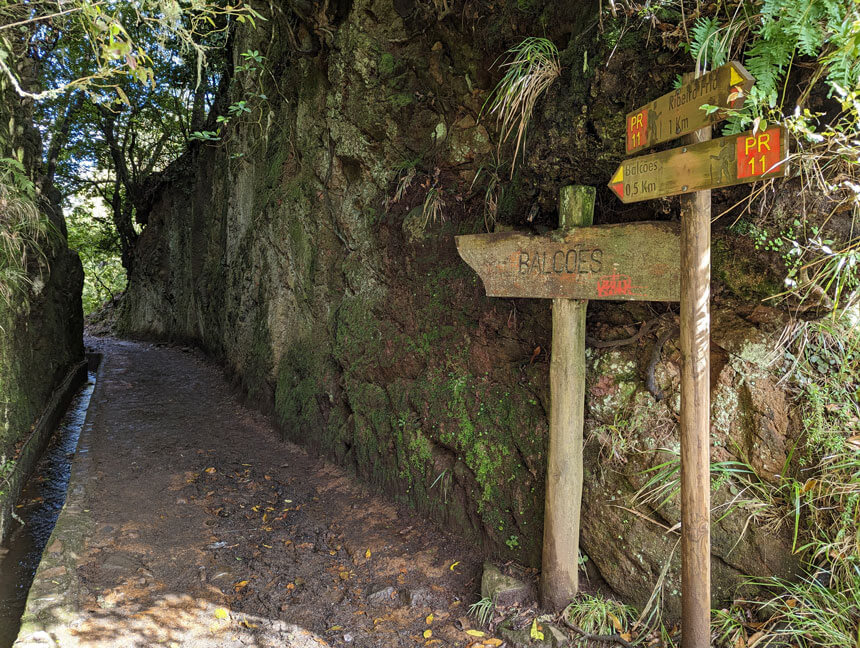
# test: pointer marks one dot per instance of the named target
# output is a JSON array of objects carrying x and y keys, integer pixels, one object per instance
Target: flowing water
[{"x": 39, "y": 506}]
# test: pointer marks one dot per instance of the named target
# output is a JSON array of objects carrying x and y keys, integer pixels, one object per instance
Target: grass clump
[
  {"x": 23, "y": 231},
  {"x": 598, "y": 615},
  {"x": 532, "y": 66}
]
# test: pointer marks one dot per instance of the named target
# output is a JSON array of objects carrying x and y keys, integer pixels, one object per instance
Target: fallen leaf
[
  {"x": 367, "y": 554},
  {"x": 344, "y": 575},
  {"x": 454, "y": 564},
  {"x": 221, "y": 613},
  {"x": 615, "y": 622},
  {"x": 429, "y": 619},
  {"x": 492, "y": 642},
  {"x": 428, "y": 633},
  {"x": 291, "y": 586},
  {"x": 534, "y": 631},
  {"x": 475, "y": 633},
  {"x": 210, "y": 471},
  {"x": 240, "y": 585},
  {"x": 854, "y": 441}
]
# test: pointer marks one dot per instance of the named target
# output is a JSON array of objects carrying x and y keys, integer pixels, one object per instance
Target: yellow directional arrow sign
[
  {"x": 679, "y": 112},
  {"x": 722, "y": 162}
]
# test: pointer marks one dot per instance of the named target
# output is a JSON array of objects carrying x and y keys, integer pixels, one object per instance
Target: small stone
[
  {"x": 347, "y": 638},
  {"x": 501, "y": 589},
  {"x": 418, "y": 598},
  {"x": 381, "y": 594},
  {"x": 56, "y": 546}
]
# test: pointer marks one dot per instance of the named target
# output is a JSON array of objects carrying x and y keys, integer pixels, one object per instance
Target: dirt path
[{"x": 189, "y": 523}]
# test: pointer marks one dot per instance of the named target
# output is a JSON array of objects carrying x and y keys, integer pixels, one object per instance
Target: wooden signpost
[
  {"x": 572, "y": 265},
  {"x": 603, "y": 262},
  {"x": 636, "y": 261},
  {"x": 679, "y": 112},
  {"x": 698, "y": 167},
  {"x": 710, "y": 164}
]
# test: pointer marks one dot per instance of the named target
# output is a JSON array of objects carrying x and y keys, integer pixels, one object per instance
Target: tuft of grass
[
  {"x": 600, "y": 616},
  {"x": 23, "y": 232},
  {"x": 532, "y": 66},
  {"x": 493, "y": 191},
  {"x": 434, "y": 204},
  {"x": 482, "y": 610}
]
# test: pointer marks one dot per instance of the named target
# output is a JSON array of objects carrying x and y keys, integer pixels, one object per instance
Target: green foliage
[
  {"x": 532, "y": 66},
  {"x": 482, "y": 610},
  {"x": 820, "y": 493},
  {"x": 91, "y": 234},
  {"x": 24, "y": 235},
  {"x": 114, "y": 41},
  {"x": 599, "y": 615},
  {"x": 709, "y": 42},
  {"x": 823, "y": 38}
]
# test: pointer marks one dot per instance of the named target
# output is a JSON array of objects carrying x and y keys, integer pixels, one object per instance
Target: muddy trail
[{"x": 190, "y": 523}]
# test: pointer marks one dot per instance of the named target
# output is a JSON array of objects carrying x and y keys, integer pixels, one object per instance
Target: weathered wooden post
[
  {"x": 559, "y": 581},
  {"x": 696, "y": 414},
  {"x": 693, "y": 170}
]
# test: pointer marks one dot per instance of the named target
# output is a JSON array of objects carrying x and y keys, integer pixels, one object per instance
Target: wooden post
[
  {"x": 695, "y": 415},
  {"x": 560, "y": 562}
]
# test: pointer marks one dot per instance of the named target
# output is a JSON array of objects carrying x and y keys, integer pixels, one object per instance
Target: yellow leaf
[
  {"x": 344, "y": 575},
  {"x": 615, "y": 622},
  {"x": 429, "y": 619},
  {"x": 209, "y": 471},
  {"x": 334, "y": 628},
  {"x": 627, "y": 636},
  {"x": 367, "y": 554},
  {"x": 428, "y": 634},
  {"x": 454, "y": 564},
  {"x": 475, "y": 633},
  {"x": 240, "y": 585},
  {"x": 492, "y": 642},
  {"x": 221, "y": 613},
  {"x": 535, "y": 632}
]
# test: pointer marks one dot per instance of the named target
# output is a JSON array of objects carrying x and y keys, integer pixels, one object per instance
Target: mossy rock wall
[
  {"x": 38, "y": 347},
  {"x": 41, "y": 323},
  {"x": 301, "y": 251}
]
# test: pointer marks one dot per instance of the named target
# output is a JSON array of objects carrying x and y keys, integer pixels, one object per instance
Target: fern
[{"x": 705, "y": 46}]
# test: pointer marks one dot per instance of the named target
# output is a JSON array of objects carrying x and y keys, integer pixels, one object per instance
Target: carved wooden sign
[
  {"x": 722, "y": 162},
  {"x": 630, "y": 261},
  {"x": 679, "y": 112}
]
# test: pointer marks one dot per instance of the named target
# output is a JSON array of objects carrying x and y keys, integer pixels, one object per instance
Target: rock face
[
  {"x": 312, "y": 251},
  {"x": 41, "y": 323}
]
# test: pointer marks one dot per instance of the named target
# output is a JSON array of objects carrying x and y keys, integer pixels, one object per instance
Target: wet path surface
[
  {"x": 189, "y": 523},
  {"x": 39, "y": 506}
]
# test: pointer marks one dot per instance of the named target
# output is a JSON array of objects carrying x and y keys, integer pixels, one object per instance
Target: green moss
[
  {"x": 298, "y": 382},
  {"x": 741, "y": 273},
  {"x": 385, "y": 65},
  {"x": 401, "y": 99}
]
